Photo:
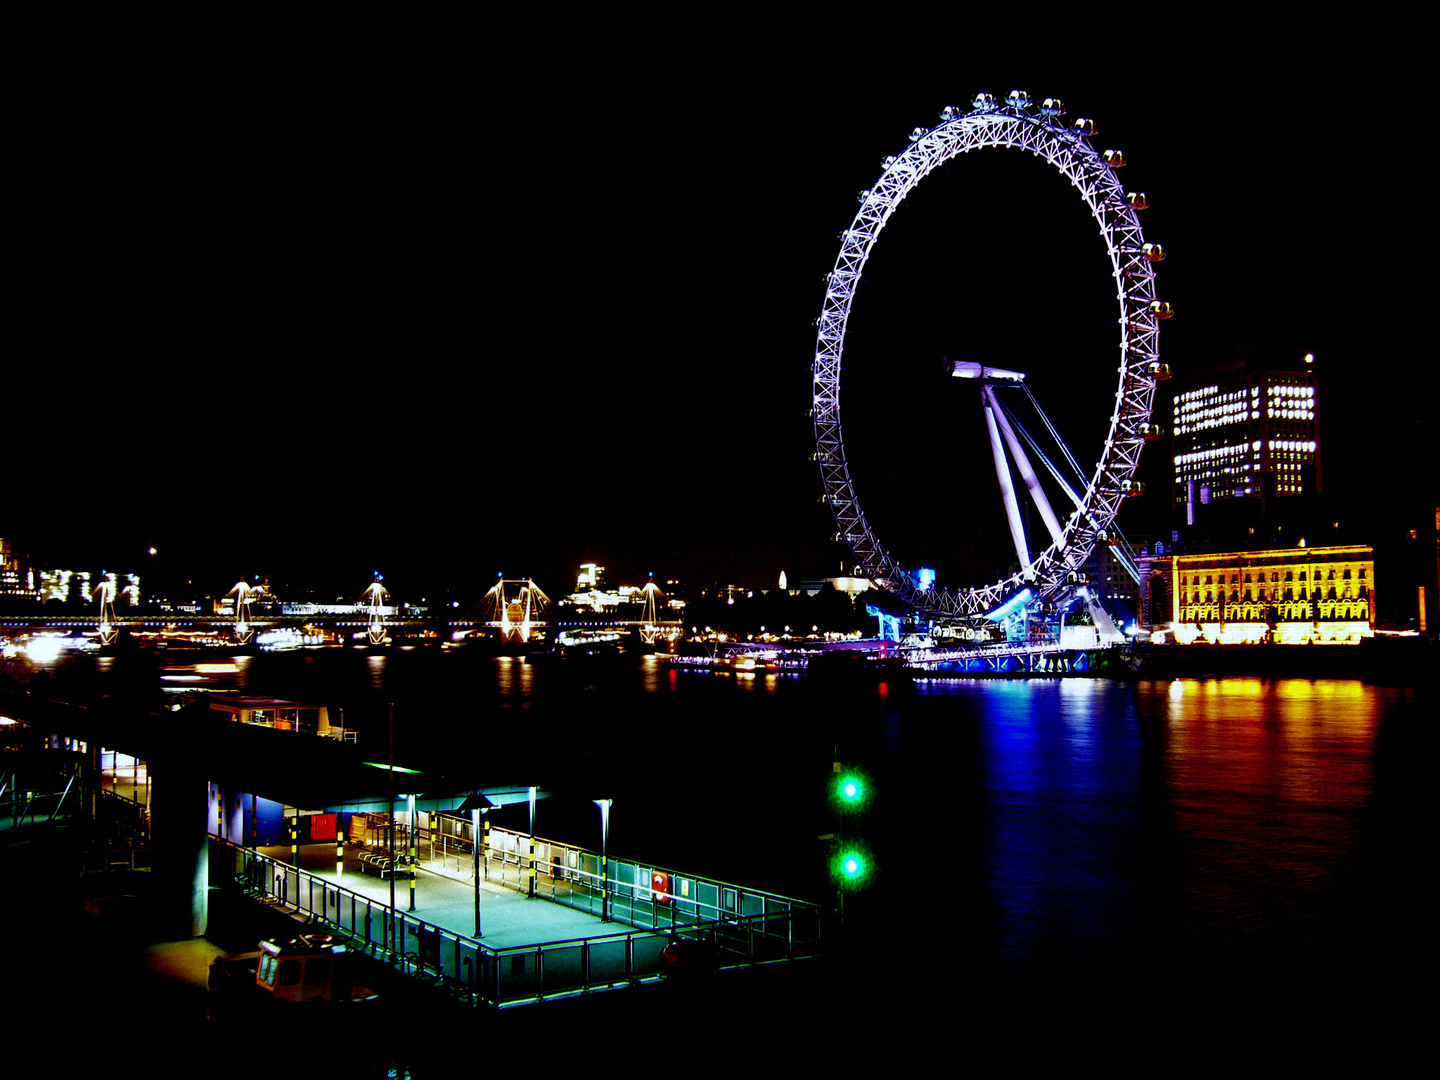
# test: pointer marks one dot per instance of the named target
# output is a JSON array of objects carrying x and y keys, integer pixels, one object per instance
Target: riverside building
[{"x": 1321, "y": 595}]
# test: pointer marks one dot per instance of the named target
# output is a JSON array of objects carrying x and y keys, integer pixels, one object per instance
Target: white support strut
[
  {"x": 1007, "y": 489},
  {"x": 1027, "y": 473}
]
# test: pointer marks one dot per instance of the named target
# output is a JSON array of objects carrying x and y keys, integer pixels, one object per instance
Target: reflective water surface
[{"x": 1234, "y": 839}]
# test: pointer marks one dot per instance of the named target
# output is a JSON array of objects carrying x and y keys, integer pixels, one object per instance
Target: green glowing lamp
[
  {"x": 851, "y": 867},
  {"x": 851, "y": 791}
]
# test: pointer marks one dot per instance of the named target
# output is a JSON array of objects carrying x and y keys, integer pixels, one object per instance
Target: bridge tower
[
  {"x": 105, "y": 594},
  {"x": 649, "y": 631},
  {"x": 514, "y": 606},
  {"x": 244, "y": 595},
  {"x": 374, "y": 598}
]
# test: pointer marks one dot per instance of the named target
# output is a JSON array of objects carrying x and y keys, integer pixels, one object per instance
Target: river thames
[{"x": 1055, "y": 851}]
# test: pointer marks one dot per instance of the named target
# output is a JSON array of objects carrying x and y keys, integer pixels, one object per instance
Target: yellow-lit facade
[{"x": 1322, "y": 595}]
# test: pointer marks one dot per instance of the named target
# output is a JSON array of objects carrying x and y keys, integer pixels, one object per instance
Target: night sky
[{"x": 448, "y": 307}]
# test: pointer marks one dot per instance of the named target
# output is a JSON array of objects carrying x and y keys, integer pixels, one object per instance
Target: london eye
[{"x": 1046, "y": 566}]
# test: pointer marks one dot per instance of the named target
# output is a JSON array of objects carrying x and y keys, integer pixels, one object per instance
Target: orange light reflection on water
[{"x": 1291, "y": 741}]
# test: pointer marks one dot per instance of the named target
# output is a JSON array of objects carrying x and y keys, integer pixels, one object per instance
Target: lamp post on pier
[
  {"x": 477, "y": 804},
  {"x": 604, "y": 805}
]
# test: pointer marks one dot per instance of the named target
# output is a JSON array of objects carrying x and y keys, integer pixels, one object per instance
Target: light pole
[
  {"x": 414, "y": 821},
  {"x": 477, "y": 804},
  {"x": 531, "y": 891},
  {"x": 604, "y": 805}
]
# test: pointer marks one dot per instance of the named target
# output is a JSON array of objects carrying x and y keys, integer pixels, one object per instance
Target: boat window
[
  {"x": 267, "y": 969},
  {"x": 290, "y": 972},
  {"x": 317, "y": 970}
]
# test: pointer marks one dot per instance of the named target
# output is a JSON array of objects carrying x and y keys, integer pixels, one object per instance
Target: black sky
[{"x": 448, "y": 308}]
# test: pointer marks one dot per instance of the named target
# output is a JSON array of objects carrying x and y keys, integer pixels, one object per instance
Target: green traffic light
[
  {"x": 851, "y": 791},
  {"x": 851, "y": 867}
]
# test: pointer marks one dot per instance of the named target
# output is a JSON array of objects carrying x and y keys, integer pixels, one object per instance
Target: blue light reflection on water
[{"x": 1062, "y": 768}]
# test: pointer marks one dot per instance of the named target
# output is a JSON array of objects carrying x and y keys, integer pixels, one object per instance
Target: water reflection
[
  {"x": 375, "y": 662},
  {"x": 1061, "y": 769},
  {"x": 1209, "y": 819},
  {"x": 1071, "y": 823},
  {"x": 515, "y": 680}
]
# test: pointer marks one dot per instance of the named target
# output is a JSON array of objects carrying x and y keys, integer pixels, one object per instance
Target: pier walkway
[
  {"x": 444, "y": 898},
  {"x": 552, "y": 944},
  {"x": 534, "y": 942}
]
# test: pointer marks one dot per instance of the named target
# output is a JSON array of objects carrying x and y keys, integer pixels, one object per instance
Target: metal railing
[
  {"x": 778, "y": 927},
  {"x": 760, "y": 928}
]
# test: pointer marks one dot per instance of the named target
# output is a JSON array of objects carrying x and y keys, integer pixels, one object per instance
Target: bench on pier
[{"x": 383, "y": 866}]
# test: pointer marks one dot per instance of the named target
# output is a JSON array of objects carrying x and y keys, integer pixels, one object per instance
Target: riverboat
[{"x": 310, "y": 968}]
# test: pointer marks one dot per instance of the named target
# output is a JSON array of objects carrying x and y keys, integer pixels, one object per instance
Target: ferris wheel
[{"x": 1039, "y": 130}]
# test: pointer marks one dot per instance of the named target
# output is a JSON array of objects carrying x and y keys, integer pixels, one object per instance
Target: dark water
[{"x": 1071, "y": 846}]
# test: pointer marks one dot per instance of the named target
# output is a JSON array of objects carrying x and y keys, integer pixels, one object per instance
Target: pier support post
[{"x": 180, "y": 847}]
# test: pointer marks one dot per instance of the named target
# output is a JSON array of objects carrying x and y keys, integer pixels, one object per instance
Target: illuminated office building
[
  {"x": 15, "y": 580},
  {"x": 1243, "y": 430}
]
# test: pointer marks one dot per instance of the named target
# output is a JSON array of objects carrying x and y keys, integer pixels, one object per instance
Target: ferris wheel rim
[{"x": 1016, "y": 124}]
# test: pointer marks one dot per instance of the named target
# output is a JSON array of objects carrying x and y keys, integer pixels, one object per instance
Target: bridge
[{"x": 514, "y": 611}]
